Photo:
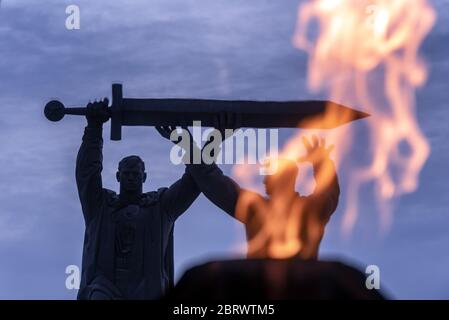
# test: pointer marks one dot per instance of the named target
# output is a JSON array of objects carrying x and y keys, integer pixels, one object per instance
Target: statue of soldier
[{"x": 128, "y": 242}]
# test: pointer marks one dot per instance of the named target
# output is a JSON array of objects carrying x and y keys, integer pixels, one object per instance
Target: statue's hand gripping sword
[{"x": 183, "y": 112}]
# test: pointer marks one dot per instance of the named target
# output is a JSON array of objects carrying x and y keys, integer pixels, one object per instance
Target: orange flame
[{"x": 365, "y": 55}]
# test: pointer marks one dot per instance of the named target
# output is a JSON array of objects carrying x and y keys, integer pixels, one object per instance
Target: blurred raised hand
[{"x": 316, "y": 150}]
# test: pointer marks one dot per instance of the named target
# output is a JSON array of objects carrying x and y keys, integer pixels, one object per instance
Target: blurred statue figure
[
  {"x": 128, "y": 243},
  {"x": 283, "y": 223}
]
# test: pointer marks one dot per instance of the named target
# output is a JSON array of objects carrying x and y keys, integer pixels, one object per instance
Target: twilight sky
[{"x": 184, "y": 48}]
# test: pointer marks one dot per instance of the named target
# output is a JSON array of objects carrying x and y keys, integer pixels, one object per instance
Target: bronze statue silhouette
[
  {"x": 300, "y": 218},
  {"x": 128, "y": 243}
]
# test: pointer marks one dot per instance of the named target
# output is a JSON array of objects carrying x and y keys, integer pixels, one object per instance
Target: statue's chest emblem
[{"x": 127, "y": 228}]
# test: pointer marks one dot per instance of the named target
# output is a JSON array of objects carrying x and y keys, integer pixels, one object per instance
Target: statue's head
[
  {"x": 283, "y": 180},
  {"x": 131, "y": 174}
]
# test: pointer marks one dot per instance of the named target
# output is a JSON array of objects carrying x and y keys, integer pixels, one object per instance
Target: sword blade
[{"x": 254, "y": 114}]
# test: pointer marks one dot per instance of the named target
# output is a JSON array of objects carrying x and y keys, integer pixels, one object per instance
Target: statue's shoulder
[
  {"x": 152, "y": 197},
  {"x": 111, "y": 196},
  {"x": 148, "y": 198}
]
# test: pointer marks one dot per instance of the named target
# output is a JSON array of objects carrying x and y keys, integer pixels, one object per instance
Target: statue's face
[
  {"x": 131, "y": 177},
  {"x": 270, "y": 184},
  {"x": 278, "y": 182},
  {"x": 283, "y": 179}
]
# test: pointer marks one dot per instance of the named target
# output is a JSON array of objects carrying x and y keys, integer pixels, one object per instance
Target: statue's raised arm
[{"x": 89, "y": 162}]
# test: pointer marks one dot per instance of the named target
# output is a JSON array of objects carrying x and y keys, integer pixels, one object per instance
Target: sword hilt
[{"x": 55, "y": 111}]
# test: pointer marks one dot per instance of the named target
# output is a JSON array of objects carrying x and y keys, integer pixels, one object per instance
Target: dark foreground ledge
[{"x": 269, "y": 279}]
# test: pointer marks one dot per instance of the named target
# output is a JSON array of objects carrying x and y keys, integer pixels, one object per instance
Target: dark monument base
[{"x": 270, "y": 279}]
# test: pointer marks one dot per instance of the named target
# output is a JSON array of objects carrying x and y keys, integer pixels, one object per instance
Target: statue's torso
[
  {"x": 128, "y": 250},
  {"x": 129, "y": 240}
]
